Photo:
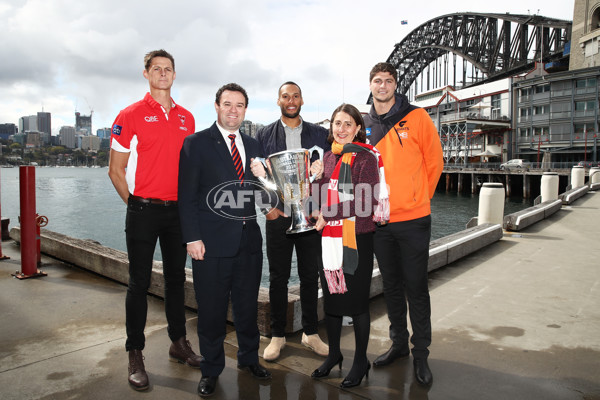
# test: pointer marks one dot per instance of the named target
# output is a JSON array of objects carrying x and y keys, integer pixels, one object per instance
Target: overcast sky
[{"x": 68, "y": 55}]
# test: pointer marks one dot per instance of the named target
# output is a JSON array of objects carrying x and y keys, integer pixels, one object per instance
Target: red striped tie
[{"x": 237, "y": 160}]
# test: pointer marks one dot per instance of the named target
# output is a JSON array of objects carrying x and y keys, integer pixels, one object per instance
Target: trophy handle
[
  {"x": 268, "y": 180},
  {"x": 310, "y": 153}
]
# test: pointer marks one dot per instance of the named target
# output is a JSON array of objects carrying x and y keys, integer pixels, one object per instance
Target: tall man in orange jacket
[{"x": 412, "y": 156}]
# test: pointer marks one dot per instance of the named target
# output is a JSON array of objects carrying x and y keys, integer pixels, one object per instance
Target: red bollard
[{"x": 28, "y": 224}]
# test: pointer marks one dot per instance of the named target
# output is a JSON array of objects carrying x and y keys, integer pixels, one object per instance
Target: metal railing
[{"x": 496, "y": 165}]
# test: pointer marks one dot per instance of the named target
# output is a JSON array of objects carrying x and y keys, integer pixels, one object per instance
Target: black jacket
[
  {"x": 378, "y": 126},
  {"x": 272, "y": 138}
]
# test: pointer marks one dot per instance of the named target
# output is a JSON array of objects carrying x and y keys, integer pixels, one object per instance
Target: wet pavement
[{"x": 519, "y": 319}]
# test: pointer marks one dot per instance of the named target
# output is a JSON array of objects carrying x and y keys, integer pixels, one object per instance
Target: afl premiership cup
[{"x": 289, "y": 175}]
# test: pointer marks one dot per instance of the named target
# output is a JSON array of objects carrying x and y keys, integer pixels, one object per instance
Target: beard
[{"x": 287, "y": 114}]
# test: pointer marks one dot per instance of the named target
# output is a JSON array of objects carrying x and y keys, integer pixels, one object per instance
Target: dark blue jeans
[
  {"x": 402, "y": 250},
  {"x": 144, "y": 225}
]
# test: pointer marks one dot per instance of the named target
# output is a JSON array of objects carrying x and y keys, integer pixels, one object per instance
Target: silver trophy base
[{"x": 300, "y": 222}]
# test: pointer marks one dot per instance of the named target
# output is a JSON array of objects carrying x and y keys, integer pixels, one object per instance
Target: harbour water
[{"x": 81, "y": 202}]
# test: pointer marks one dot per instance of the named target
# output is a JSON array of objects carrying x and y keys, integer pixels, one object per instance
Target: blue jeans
[{"x": 144, "y": 225}]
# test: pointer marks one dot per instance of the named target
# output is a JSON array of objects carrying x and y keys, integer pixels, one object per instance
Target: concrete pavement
[{"x": 519, "y": 319}]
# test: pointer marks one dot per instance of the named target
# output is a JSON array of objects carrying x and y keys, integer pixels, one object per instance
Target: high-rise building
[
  {"x": 249, "y": 128},
  {"x": 103, "y": 133},
  {"x": 6, "y": 130},
  {"x": 44, "y": 122},
  {"x": 67, "y": 137},
  {"x": 28, "y": 123},
  {"x": 83, "y": 124}
]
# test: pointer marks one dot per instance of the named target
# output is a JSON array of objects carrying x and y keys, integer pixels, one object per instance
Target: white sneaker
[
  {"x": 273, "y": 350},
  {"x": 315, "y": 343}
]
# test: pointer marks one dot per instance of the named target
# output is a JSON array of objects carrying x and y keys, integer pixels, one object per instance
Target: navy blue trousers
[{"x": 216, "y": 280}]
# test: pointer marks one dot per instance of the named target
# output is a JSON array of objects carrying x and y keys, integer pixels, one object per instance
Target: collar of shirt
[
  {"x": 292, "y": 136},
  {"x": 290, "y": 130},
  {"x": 153, "y": 103},
  {"x": 239, "y": 143}
]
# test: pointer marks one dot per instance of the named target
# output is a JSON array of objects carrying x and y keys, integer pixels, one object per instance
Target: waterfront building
[
  {"x": 557, "y": 115},
  {"x": 473, "y": 122}
]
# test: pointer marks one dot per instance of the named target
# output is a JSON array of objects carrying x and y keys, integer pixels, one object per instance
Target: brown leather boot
[
  {"x": 138, "y": 379},
  {"x": 181, "y": 352}
]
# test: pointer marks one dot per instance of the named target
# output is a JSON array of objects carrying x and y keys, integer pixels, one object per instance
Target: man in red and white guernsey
[
  {"x": 144, "y": 163},
  {"x": 412, "y": 158}
]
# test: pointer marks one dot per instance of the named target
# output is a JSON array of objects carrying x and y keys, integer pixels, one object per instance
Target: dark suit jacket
[{"x": 212, "y": 209}]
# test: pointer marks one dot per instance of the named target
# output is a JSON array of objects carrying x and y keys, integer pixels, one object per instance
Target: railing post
[
  {"x": 29, "y": 266},
  {"x": 2, "y": 256}
]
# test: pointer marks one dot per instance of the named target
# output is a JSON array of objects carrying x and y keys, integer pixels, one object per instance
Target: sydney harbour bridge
[{"x": 466, "y": 49}]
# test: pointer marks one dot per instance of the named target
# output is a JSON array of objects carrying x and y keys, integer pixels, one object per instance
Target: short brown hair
[
  {"x": 352, "y": 111},
  {"x": 157, "y": 53},
  {"x": 383, "y": 67},
  {"x": 232, "y": 87}
]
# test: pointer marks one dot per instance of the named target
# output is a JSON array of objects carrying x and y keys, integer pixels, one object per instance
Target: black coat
[
  {"x": 209, "y": 207},
  {"x": 272, "y": 138}
]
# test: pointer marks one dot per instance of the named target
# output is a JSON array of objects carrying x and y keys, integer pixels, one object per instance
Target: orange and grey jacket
[{"x": 412, "y": 157}]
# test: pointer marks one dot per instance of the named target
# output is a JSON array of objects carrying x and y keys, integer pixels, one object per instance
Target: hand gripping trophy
[{"x": 288, "y": 175}]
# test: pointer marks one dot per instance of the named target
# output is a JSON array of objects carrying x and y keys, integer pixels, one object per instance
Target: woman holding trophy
[{"x": 353, "y": 199}]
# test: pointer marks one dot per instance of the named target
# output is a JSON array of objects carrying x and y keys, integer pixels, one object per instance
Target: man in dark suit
[{"x": 218, "y": 214}]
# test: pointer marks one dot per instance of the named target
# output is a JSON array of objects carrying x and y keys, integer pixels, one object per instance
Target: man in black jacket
[{"x": 291, "y": 132}]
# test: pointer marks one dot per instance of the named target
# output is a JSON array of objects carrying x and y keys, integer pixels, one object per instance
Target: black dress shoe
[
  {"x": 207, "y": 385},
  {"x": 392, "y": 354},
  {"x": 320, "y": 373},
  {"x": 350, "y": 382},
  {"x": 257, "y": 370},
  {"x": 422, "y": 372}
]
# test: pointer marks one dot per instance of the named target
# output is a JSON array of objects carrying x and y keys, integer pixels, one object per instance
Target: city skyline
[{"x": 94, "y": 61}]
